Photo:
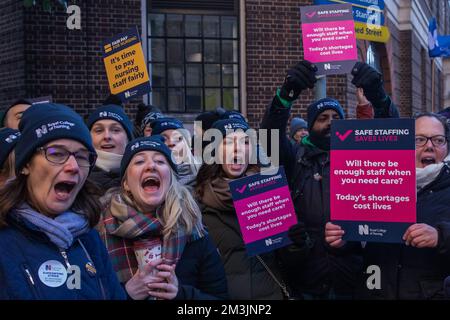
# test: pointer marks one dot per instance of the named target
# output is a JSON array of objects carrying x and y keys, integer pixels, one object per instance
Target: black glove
[
  {"x": 298, "y": 78},
  {"x": 366, "y": 77},
  {"x": 300, "y": 237}
]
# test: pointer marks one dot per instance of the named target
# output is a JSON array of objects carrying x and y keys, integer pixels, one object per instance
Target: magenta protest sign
[
  {"x": 265, "y": 211},
  {"x": 329, "y": 39},
  {"x": 372, "y": 178}
]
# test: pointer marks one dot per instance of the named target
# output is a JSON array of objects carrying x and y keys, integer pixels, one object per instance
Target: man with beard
[{"x": 313, "y": 269}]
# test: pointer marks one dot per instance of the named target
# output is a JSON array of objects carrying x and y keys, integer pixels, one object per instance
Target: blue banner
[
  {"x": 360, "y": 12},
  {"x": 438, "y": 46},
  {"x": 373, "y": 231},
  {"x": 376, "y": 134}
]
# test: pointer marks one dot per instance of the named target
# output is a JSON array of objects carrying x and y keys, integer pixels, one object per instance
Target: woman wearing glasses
[
  {"x": 417, "y": 268},
  {"x": 48, "y": 249}
]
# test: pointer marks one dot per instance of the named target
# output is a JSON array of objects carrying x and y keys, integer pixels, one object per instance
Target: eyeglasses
[
  {"x": 437, "y": 141},
  {"x": 59, "y": 155}
]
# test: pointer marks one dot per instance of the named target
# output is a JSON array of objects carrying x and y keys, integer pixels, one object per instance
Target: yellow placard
[
  {"x": 126, "y": 69},
  {"x": 365, "y": 32}
]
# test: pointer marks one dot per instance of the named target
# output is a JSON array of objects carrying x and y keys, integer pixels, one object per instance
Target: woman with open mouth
[
  {"x": 417, "y": 268},
  {"x": 49, "y": 249},
  {"x": 8, "y": 140},
  {"x": 111, "y": 130},
  {"x": 177, "y": 138},
  {"x": 153, "y": 230},
  {"x": 249, "y": 278}
]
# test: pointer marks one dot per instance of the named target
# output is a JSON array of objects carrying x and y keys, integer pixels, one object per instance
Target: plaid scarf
[{"x": 123, "y": 225}]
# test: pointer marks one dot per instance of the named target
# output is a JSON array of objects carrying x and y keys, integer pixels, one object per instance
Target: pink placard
[
  {"x": 329, "y": 41},
  {"x": 373, "y": 185},
  {"x": 265, "y": 214},
  {"x": 329, "y": 38}
]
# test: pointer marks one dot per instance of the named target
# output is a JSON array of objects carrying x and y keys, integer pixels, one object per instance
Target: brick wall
[
  {"x": 273, "y": 38},
  {"x": 39, "y": 56},
  {"x": 421, "y": 64},
  {"x": 12, "y": 59},
  {"x": 274, "y": 44},
  {"x": 67, "y": 64}
]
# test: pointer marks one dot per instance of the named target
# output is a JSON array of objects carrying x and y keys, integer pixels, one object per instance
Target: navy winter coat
[
  {"x": 200, "y": 272},
  {"x": 416, "y": 273},
  {"x": 23, "y": 250}
]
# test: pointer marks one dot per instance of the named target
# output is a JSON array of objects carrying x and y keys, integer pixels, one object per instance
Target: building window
[
  {"x": 373, "y": 58},
  {"x": 193, "y": 61}
]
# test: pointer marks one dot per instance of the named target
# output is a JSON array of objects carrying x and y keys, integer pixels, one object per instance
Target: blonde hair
[{"x": 179, "y": 210}]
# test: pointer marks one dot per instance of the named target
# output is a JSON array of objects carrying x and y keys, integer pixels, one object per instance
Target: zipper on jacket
[
  {"x": 66, "y": 259},
  {"x": 102, "y": 288},
  {"x": 30, "y": 280}
]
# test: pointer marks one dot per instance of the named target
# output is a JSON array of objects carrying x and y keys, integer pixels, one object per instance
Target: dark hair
[
  {"x": 209, "y": 172},
  {"x": 113, "y": 99},
  {"x": 142, "y": 111},
  {"x": 440, "y": 118},
  {"x": 15, "y": 192},
  {"x": 7, "y": 171}
]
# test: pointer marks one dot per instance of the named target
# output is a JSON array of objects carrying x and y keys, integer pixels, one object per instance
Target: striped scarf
[{"x": 123, "y": 225}]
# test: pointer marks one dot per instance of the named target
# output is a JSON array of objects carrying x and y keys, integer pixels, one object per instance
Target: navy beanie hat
[
  {"x": 229, "y": 125},
  {"x": 233, "y": 115},
  {"x": 297, "y": 124},
  {"x": 111, "y": 112},
  {"x": 162, "y": 124},
  {"x": 8, "y": 140},
  {"x": 47, "y": 122},
  {"x": 150, "y": 117},
  {"x": 152, "y": 143},
  {"x": 320, "y": 106}
]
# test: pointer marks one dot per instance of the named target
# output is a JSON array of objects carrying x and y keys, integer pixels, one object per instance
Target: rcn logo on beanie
[
  {"x": 142, "y": 144},
  {"x": 320, "y": 106},
  {"x": 46, "y": 128},
  {"x": 110, "y": 115}
]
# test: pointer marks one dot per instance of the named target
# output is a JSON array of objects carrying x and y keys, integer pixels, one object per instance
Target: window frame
[{"x": 236, "y": 86}]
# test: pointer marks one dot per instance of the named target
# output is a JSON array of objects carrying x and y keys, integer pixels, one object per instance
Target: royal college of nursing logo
[{"x": 363, "y": 229}]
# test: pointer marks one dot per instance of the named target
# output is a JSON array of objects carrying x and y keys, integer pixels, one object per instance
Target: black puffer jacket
[
  {"x": 247, "y": 277},
  {"x": 105, "y": 180},
  {"x": 308, "y": 172},
  {"x": 413, "y": 273}
]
